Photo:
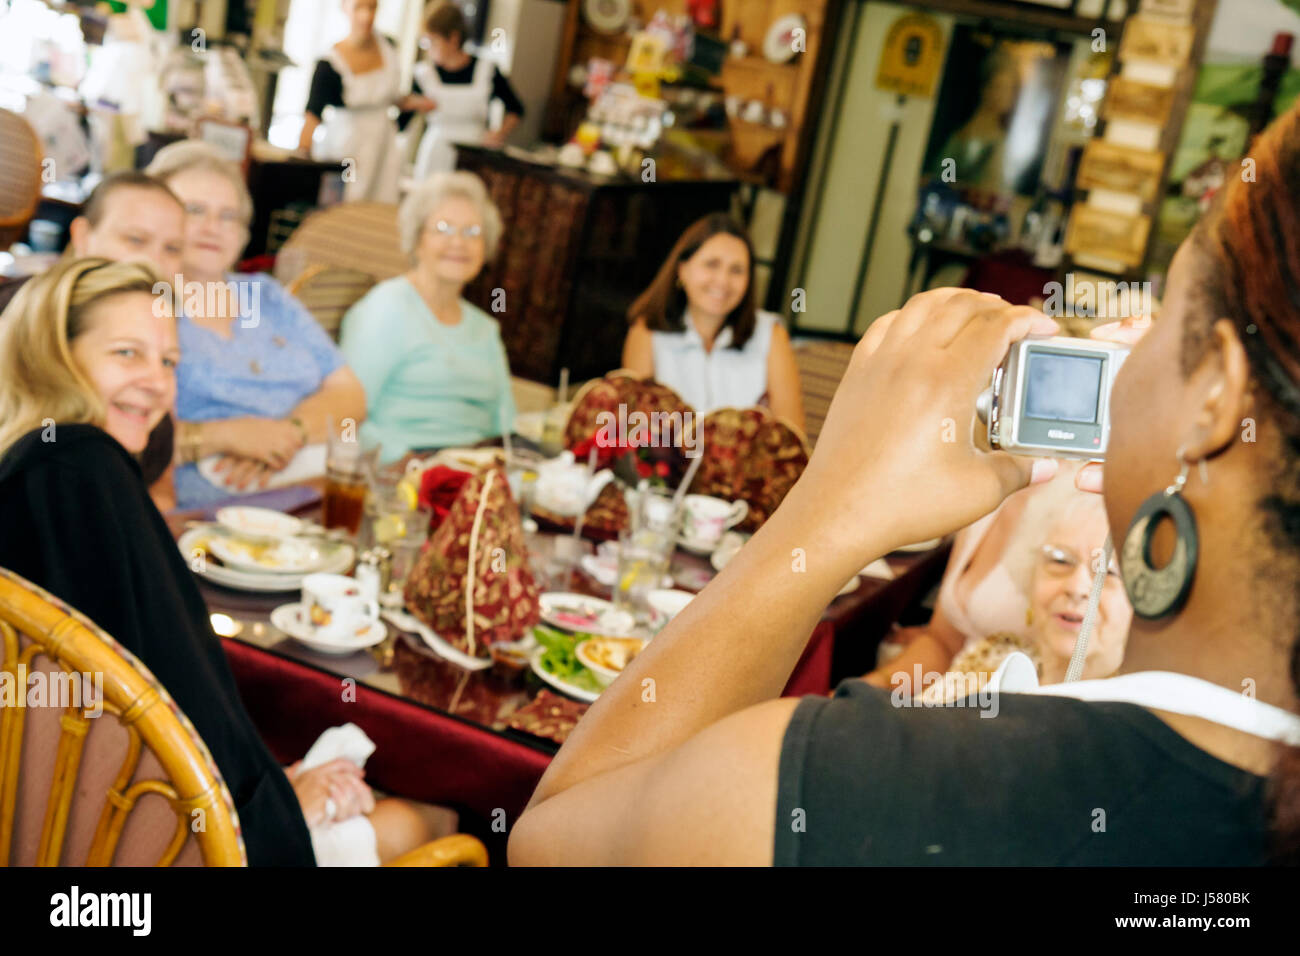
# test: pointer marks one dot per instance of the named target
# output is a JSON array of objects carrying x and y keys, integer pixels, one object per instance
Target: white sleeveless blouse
[{"x": 723, "y": 378}]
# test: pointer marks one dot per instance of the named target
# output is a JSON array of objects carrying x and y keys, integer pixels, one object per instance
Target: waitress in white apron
[
  {"x": 462, "y": 88},
  {"x": 359, "y": 81}
]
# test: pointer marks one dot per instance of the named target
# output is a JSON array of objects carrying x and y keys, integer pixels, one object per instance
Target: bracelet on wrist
[{"x": 189, "y": 442}]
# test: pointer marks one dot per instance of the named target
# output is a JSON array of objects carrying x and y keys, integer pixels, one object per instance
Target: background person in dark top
[
  {"x": 720, "y": 770},
  {"x": 461, "y": 86},
  {"x": 87, "y": 349},
  {"x": 131, "y": 217},
  {"x": 359, "y": 78}
]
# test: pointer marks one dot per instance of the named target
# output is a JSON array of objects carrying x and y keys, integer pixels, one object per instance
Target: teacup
[
  {"x": 336, "y": 607},
  {"x": 707, "y": 517}
]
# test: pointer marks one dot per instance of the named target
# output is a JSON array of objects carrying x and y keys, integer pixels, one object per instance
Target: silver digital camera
[{"x": 1051, "y": 396}]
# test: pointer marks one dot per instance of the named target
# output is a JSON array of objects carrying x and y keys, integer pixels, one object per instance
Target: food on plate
[
  {"x": 614, "y": 653},
  {"x": 560, "y": 658}
]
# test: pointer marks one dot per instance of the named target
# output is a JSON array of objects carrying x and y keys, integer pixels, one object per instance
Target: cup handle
[{"x": 739, "y": 511}]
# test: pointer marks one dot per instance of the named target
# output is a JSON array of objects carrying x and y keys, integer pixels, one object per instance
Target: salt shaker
[{"x": 373, "y": 571}]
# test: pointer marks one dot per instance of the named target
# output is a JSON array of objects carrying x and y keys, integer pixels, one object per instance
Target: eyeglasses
[
  {"x": 1062, "y": 562},
  {"x": 444, "y": 228},
  {"x": 227, "y": 217}
]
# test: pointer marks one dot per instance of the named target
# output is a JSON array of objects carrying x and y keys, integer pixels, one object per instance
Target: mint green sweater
[{"x": 427, "y": 384}]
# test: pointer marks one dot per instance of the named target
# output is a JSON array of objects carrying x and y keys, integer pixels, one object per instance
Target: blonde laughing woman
[{"x": 88, "y": 363}]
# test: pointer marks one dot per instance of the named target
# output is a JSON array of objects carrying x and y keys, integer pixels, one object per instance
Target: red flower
[
  {"x": 661, "y": 469},
  {"x": 643, "y": 468}
]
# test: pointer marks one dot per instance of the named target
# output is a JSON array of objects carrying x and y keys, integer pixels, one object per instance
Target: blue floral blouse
[{"x": 277, "y": 356}]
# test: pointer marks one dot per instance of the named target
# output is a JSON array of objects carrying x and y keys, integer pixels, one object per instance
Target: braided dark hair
[{"x": 1250, "y": 241}]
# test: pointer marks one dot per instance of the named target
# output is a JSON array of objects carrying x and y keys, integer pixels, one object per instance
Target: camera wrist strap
[{"x": 1075, "y": 670}]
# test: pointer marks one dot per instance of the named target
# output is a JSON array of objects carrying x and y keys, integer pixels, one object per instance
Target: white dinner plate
[
  {"x": 280, "y": 556},
  {"x": 258, "y": 522},
  {"x": 409, "y": 622},
  {"x": 559, "y": 683},
  {"x": 292, "y": 619},
  {"x": 578, "y": 612},
  {"x": 193, "y": 551}
]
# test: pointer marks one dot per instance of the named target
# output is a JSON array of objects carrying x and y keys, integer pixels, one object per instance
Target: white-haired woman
[
  {"x": 432, "y": 364},
  {"x": 252, "y": 391}
]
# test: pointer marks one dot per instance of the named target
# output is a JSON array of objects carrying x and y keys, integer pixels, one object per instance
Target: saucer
[
  {"x": 292, "y": 619},
  {"x": 698, "y": 547},
  {"x": 580, "y": 613}
]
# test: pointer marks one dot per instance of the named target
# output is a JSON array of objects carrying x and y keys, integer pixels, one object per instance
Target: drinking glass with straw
[{"x": 553, "y": 427}]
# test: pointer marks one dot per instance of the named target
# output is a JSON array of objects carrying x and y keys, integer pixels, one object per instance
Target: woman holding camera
[{"x": 722, "y": 770}]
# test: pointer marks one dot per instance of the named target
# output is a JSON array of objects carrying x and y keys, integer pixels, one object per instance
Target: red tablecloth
[{"x": 421, "y": 753}]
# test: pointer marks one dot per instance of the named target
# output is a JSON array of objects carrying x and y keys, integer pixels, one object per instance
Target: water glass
[
  {"x": 405, "y": 551},
  {"x": 643, "y": 558},
  {"x": 650, "y": 509}
]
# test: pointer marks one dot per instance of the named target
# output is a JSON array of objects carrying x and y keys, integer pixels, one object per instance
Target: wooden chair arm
[
  {"x": 303, "y": 277},
  {"x": 459, "y": 849}
]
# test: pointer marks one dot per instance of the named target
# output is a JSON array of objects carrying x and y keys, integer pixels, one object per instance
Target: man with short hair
[{"x": 132, "y": 217}]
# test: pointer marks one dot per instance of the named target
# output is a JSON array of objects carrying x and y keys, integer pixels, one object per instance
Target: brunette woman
[{"x": 696, "y": 329}]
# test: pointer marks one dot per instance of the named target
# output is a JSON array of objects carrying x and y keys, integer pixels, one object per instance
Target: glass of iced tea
[{"x": 348, "y": 469}]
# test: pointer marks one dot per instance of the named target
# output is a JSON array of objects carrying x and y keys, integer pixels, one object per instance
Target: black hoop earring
[{"x": 1159, "y": 592}]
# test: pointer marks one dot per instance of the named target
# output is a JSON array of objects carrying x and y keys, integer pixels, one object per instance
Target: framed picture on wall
[{"x": 1119, "y": 168}]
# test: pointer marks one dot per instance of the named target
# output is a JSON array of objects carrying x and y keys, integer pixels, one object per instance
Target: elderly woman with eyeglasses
[
  {"x": 1063, "y": 567},
  {"x": 259, "y": 378},
  {"x": 432, "y": 364}
]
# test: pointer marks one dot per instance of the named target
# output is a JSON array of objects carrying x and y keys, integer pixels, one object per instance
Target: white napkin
[
  {"x": 350, "y": 842},
  {"x": 308, "y": 463},
  {"x": 348, "y": 741},
  {"x": 347, "y": 843}
]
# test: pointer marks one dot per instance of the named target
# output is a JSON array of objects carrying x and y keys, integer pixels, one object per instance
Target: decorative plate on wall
[
  {"x": 779, "y": 44},
  {"x": 607, "y": 16}
]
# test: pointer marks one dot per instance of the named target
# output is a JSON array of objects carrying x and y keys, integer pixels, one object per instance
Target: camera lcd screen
[{"x": 1062, "y": 387}]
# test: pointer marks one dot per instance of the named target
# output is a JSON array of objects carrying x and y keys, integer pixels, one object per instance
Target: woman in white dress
[
  {"x": 462, "y": 87},
  {"x": 358, "y": 82}
]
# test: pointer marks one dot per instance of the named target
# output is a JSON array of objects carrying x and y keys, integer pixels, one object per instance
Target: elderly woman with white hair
[
  {"x": 432, "y": 364},
  {"x": 258, "y": 378}
]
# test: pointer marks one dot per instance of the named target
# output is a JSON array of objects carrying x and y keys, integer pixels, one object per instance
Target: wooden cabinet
[
  {"x": 786, "y": 87},
  {"x": 575, "y": 252}
]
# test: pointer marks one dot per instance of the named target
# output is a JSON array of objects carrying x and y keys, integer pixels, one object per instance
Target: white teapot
[{"x": 566, "y": 487}]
